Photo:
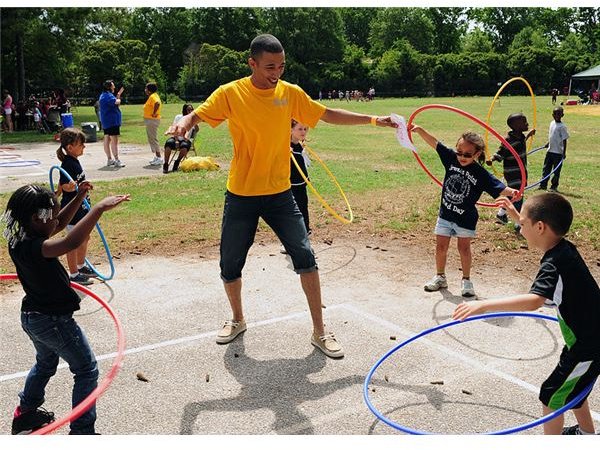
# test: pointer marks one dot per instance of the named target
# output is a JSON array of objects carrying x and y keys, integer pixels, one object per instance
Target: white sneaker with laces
[
  {"x": 467, "y": 289},
  {"x": 157, "y": 161},
  {"x": 119, "y": 163},
  {"x": 110, "y": 162},
  {"x": 436, "y": 283}
]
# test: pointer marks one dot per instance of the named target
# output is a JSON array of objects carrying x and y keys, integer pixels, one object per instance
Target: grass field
[{"x": 388, "y": 191}]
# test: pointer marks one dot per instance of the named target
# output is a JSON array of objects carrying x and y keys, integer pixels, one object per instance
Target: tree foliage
[{"x": 399, "y": 51}]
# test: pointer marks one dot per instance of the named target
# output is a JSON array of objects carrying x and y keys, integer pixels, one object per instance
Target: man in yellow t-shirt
[
  {"x": 152, "y": 109},
  {"x": 259, "y": 109}
]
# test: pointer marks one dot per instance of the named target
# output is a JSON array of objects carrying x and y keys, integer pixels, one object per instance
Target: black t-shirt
[
  {"x": 295, "y": 176},
  {"x": 73, "y": 167},
  {"x": 512, "y": 173},
  {"x": 565, "y": 278},
  {"x": 462, "y": 188},
  {"x": 44, "y": 280}
]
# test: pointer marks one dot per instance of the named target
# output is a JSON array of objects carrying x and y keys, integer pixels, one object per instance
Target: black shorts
[
  {"x": 112, "y": 131},
  {"x": 570, "y": 377}
]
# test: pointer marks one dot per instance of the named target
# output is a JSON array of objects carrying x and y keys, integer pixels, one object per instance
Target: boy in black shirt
[
  {"x": 565, "y": 279},
  {"x": 518, "y": 125}
]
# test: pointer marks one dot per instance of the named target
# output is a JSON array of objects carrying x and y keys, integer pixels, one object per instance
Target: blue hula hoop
[
  {"x": 546, "y": 177},
  {"x": 86, "y": 204},
  {"x": 516, "y": 429}
]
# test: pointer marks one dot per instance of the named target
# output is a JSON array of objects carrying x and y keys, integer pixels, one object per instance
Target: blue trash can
[{"x": 67, "y": 120}]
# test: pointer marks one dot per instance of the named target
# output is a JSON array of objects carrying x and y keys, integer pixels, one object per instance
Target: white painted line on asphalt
[
  {"x": 449, "y": 352},
  {"x": 172, "y": 342}
]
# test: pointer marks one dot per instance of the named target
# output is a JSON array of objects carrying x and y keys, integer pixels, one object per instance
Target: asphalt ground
[{"x": 271, "y": 380}]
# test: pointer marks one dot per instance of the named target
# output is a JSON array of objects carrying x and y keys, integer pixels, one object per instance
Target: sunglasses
[{"x": 464, "y": 155}]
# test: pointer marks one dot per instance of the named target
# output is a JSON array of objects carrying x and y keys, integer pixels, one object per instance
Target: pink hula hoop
[
  {"x": 106, "y": 381},
  {"x": 477, "y": 121}
]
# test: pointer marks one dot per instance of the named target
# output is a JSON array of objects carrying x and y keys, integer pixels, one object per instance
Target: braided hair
[{"x": 23, "y": 203}]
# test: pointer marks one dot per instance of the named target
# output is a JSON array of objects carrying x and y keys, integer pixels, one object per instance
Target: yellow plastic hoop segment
[
  {"x": 316, "y": 193},
  {"x": 488, "y": 154}
]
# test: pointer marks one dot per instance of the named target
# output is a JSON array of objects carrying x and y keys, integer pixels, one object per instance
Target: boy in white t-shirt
[{"x": 557, "y": 149}]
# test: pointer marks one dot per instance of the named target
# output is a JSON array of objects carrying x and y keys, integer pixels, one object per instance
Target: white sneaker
[
  {"x": 118, "y": 163},
  {"x": 110, "y": 162},
  {"x": 436, "y": 283},
  {"x": 157, "y": 161},
  {"x": 467, "y": 288}
]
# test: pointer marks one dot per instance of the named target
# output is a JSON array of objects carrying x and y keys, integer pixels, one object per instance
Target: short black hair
[
  {"x": 265, "y": 43},
  {"x": 152, "y": 87},
  {"x": 106, "y": 84},
  {"x": 513, "y": 118},
  {"x": 559, "y": 109},
  {"x": 552, "y": 209}
]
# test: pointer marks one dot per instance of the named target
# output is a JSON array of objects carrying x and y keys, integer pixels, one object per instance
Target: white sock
[
  {"x": 73, "y": 275},
  {"x": 79, "y": 266},
  {"x": 583, "y": 431}
]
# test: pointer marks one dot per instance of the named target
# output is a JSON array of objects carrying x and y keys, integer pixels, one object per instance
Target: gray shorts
[{"x": 445, "y": 228}]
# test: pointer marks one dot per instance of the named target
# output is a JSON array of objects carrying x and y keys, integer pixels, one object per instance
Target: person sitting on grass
[{"x": 564, "y": 280}]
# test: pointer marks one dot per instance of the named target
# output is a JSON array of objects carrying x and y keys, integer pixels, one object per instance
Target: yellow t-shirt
[
  {"x": 260, "y": 127},
  {"x": 149, "y": 106}
]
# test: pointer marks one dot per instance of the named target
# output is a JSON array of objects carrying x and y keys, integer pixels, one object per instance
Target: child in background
[
  {"x": 557, "y": 149},
  {"x": 518, "y": 125},
  {"x": 464, "y": 182},
  {"x": 298, "y": 136},
  {"x": 565, "y": 279},
  {"x": 32, "y": 216},
  {"x": 72, "y": 143}
]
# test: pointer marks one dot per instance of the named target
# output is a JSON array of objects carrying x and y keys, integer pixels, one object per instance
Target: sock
[
  {"x": 73, "y": 275},
  {"x": 79, "y": 266},
  {"x": 176, "y": 165},
  {"x": 582, "y": 431},
  {"x": 501, "y": 212}
]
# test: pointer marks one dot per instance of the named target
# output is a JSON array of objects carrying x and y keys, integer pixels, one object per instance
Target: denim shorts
[
  {"x": 240, "y": 220},
  {"x": 451, "y": 229}
]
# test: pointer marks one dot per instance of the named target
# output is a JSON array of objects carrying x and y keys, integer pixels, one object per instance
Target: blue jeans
[
  {"x": 240, "y": 219},
  {"x": 54, "y": 337}
]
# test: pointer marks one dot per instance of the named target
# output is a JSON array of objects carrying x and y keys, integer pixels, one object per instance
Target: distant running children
[
  {"x": 565, "y": 280},
  {"x": 557, "y": 149},
  {"x": 518, "y": 125},
  {"x": 72, "y": 143},
  {"x": 464, "y": 182},
  {"x": 32, "y": 216}
]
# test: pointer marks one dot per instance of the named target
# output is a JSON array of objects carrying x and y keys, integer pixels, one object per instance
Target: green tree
[
  {"x": 476, "y": 41},
  {"x": 449, "y": 24},
  {"x": 502, "y": 23},
  {"x": 394, "y": 25},
  {"x": 357, "y": 23},
  {"x": 128, "y": 62},
  {"x": 208, "y": 66}
]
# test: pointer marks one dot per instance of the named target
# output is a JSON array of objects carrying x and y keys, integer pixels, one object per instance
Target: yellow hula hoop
[
  {"x": 488, "y": 154},
  {"x": 319, "y": 197}
]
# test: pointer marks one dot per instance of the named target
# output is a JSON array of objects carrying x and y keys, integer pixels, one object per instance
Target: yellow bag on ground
[{"x": 199, "y": 163}]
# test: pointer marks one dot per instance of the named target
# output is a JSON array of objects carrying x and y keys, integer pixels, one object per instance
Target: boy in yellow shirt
[
  {"x": 152, "y": 109},
  {"x": 259, "y": 109}
]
